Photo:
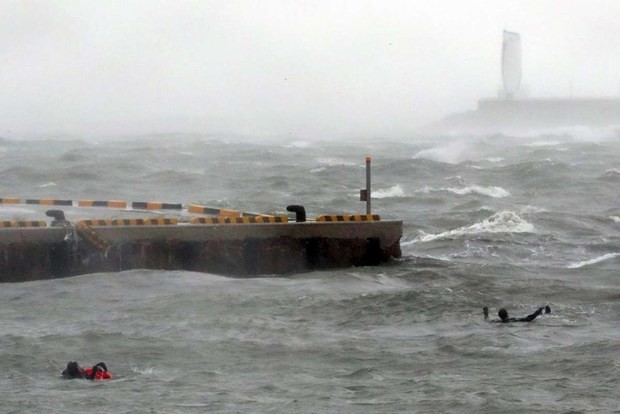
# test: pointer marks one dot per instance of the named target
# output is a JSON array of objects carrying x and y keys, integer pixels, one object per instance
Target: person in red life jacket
[{"x": 97, "y": 372}]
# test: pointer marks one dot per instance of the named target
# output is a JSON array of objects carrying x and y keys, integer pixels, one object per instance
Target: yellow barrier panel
[
  {"x": 10, "y": 200},
  {"x": 155, "y": 205},
  {"x": 50, "y": 202},
  {"x": 349, "y": 217},
  {"x": 109, "y": 204},
  {"x": 130, "y": 222},
  {"x": 239, "y": 220},
  {"x": 195, "y": 208},
  {"x": 17, "y": 223}
]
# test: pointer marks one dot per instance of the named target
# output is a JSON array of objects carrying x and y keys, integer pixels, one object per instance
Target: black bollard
[{"x": 300, "y": 212}]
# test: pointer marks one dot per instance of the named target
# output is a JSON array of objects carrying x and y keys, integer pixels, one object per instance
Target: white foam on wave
[
  {"x": 579, "y": 133},
  {"x": 144, "y": 371},
  {"x": 450, "y": 153},
  {"x": 612, "y": 173},
  {"x": 543, "y": 144},
  {"x": 299, "y": 144},
  {"x": 48, "y": 184},
  {"x": 392, "y": 192},
  {"x": 333, "y": 162},
  {"x": 533, "y": 210},
  {"x": 615, "y": 219},
  {"x": 502, "y": 222},
  {"x": 605, "y": 257},
  {"x": 489, "y": 191}
]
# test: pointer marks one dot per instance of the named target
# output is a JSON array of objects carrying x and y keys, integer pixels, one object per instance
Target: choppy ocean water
[{"x": 503, "y": 221}]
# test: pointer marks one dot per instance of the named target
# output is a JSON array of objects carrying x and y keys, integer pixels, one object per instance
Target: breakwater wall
[{"x": 236, "y": 248}]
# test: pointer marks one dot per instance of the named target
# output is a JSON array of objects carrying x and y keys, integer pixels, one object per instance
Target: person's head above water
[
  {"x": 503, "y": 314},
  {"x": 100, "y": 366},
  {"x": 73, "y": 371}
]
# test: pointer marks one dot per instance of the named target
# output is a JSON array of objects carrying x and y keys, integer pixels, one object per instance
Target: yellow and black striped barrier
[
  {"x": 10, "y": 200},
  {"x": 130, "y": 222},
  {"x": 349, "y": 217},
  {"x": 239, "y": 220},
  {"x": 18, "y": 223},
  {"x": 50, "y": 202},
  {"x": 108, "y": 204},
  {"x": 198, "y": 209},
  {"x": 155, "y": 205}
]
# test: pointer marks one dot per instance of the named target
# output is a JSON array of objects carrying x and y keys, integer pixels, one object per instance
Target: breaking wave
[
  {"x": 392, "y": 192},
  {"x": 596, "y": 260},
  {"x": 611, "y": 174},
  {"x": 543, "y": 144},
  {"x": 489, "y": 191},
  {"x": 575, "y": 133},
  {"x": 451, "y": 153},
  {"x": 333, "y": 162},
  {"x": 502, "y": 222}
]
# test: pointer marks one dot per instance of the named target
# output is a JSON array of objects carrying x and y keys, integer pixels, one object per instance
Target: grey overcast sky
[{"x": 303, "y": 68}]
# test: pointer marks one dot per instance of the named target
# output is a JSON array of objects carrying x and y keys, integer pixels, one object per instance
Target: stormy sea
[{"x": 514, "y": 222}]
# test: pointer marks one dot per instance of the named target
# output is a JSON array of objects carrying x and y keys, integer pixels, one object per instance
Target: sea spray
[{"x": 502, "y": 222}]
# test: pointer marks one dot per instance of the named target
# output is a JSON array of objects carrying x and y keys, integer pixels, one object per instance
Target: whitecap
[
  {"x": 333, "y": 162},
  {"x": 576, "y": 133},
  {"x": 299, "y": 144},
  {"x": 392, "y": 192},
  {"x": 143, "y": 371},
  {"x": 615, "y": 219},
  {"x": 532, "y": 210},
  {"x": 543, "y": 144},
  {"x": 48, "y": 184},
  {"x": 502, "y": 222},
  {"x": 611, "y": 173},
  {"x": 451, "y": 153},
  {"x": 426, "y": 189},
  {"x": 491, "y": 191},
  {"x": 599, "y": 259}
]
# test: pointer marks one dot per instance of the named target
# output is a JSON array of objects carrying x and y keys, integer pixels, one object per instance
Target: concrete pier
[{"x": 249, "y": 249}]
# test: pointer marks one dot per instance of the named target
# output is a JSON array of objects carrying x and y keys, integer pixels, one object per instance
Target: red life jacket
[{"x": 99, "y": 375}]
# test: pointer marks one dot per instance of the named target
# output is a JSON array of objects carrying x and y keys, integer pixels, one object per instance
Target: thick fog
[{"x": 309, "y": 69}]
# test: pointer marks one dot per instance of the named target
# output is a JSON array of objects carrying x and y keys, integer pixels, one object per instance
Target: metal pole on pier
[{"x": 365, "y": 193}]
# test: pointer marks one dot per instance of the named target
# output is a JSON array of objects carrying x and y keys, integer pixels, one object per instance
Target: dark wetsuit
[{"x": 528, "y": 318}]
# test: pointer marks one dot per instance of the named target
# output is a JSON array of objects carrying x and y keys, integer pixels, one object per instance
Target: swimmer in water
[
  {"x": 97, "y": 372},
  {"x": 504, "y": 318}
]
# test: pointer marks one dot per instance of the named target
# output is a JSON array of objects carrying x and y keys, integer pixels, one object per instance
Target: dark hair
[
  {"x": 73, "y": 371},
  {"x": 503, "y": 314},
  {"x": 102, "y": 365}
]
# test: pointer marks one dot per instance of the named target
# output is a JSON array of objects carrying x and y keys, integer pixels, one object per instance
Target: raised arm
[{"x": 533, "y": 316}]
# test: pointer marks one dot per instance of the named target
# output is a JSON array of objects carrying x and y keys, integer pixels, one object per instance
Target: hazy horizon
[{"x": 320, "y": 69}]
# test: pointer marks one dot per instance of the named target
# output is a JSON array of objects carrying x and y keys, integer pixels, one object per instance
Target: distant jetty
[
  {"x": 512, "y": 113},
  {"x": 520, "y": 115}
]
